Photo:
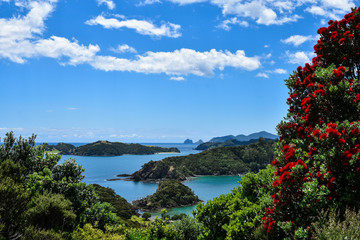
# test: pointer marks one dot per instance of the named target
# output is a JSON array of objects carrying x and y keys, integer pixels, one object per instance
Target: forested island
[
  {"x": 216, "y": 161},
  {"x": 169, "y": 194},
  {"x": 106, "y": 148}
]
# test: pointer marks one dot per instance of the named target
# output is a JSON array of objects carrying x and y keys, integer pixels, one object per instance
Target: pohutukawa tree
[{"x": 318, "y": 155}]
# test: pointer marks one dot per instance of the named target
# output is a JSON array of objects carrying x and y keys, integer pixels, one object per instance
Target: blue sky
[{"x": 152, "y": 70}]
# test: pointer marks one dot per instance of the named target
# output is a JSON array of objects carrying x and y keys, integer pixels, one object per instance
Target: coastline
[{"x": 127, "y": 177}]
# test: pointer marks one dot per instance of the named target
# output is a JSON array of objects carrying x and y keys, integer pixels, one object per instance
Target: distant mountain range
[
  {"x": 243, "y": 138},
  {"x": 228, "y": 143}
]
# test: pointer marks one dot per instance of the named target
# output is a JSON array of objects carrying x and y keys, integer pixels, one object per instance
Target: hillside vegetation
[
  {"x": 217, "y": 161},
  {"x": 169, "y": 194}
]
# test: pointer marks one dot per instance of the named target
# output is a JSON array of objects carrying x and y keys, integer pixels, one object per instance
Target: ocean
[{"x": 99, "y": 169}]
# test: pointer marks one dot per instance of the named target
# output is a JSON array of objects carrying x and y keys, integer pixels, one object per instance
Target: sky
[{"x": 152, "y": 70}]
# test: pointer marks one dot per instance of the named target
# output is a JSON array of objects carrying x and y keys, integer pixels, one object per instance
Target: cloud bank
[{"x": 20, "y": 39}]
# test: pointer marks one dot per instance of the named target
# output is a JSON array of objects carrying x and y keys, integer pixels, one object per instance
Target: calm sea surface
[{"x": 98, "y": 169}]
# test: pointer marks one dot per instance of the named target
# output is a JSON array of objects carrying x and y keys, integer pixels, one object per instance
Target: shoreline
[
  {"x": 158, "y": 210},
  {"x": 189, "y": 178}
]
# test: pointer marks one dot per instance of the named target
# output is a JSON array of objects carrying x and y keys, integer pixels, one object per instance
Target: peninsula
[{"x": 215, "y": 161}]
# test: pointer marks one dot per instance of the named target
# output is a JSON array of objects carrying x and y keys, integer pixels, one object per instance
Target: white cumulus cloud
[
  {"x": 140, "y": 26},
  {"x": 177, "y": 78},
  {"x": 300, "y": 57},
  {"x": 263, "y": 75},
  {"x": 123, "y": 49},
  {"x": 297, "y": 40},
  {"x": 273, "y": 12},
  {"x": 109, "y": 3},
  {"x": 279, "y": 71},
  {"x": 21, "y": 39},
  {"x": 232, "y": 21},
  {"x": 179, "y": 62}
]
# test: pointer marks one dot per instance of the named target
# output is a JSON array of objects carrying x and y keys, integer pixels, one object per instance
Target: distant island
[
  {"x": 215, "y": 161},
  {"x": 228, "y": 143},
  {"x": 188, "y": 141},
  {"x": 169, "y": 194},
  {"x": 106, "y": 148},
  {"x": 243, "y": 138},
  {"x": 199, "y": 142}
]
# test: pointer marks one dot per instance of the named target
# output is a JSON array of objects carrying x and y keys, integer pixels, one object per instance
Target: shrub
[
  {"x": 317, "y": 157},
  {"x": 331, "y": 227}
]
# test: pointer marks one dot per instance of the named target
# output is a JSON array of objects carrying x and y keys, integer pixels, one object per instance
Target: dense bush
[
  {"x": 42, "y": 198},
  {"x": 333, "y": 226},
  {"x": 237, "y": 215}
]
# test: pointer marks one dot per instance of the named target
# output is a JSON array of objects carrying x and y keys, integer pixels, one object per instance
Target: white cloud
[
  {"x": 184, "y": 2},
  {"x": 177, "y": 78},
  {"x": 275, "y": 71},
  {"x": 123, "y": 49},
  {"x": 72, "y": 108},
  {"x": 263, "y": 75},
  {"x": 148, "y": 2},
  {"x": 297, "y": 40},
  {"x": 273, "y": 12},
  {"x": 279, "y": 71},
  {"x": 232, "y": 21},
  {"x": 333, "y": 9},
  {"x": 20, "y": 39},
  {"x": 259, "y": 11},
  {"x": 140, "y": 26},
  {"x": 109, "y": 3},
  {"x": 179, "y": 62},
  {"x": 299, "y": 57},
  {"x": 316, "y": 10}
]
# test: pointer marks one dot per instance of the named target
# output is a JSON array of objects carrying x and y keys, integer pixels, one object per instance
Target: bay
[{"x": 99, "y": 169}]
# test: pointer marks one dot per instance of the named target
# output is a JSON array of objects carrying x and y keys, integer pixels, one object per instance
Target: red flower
[
  {"x": 341, "y": 40},
  {"x": 316, "y": 132}
]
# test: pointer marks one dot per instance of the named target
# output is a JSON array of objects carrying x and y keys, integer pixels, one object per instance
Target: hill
[
  {"x": 216, "y": 161},
  {"x": 188, "y": 141},
  {"x": 169, "y": 194},
  {"x": 243, "y": 138},
  {"x": 105, "y": 148}
]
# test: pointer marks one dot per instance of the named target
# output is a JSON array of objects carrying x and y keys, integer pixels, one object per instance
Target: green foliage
[
  {"x": 214, "y": 215},
  {"x": 122, "y": 208},
  {"x": 43, "y": 200},
  {"x": 100, "y": 215},
  {"x": 217, "y": 161},
  {"x": 146, "y": 216},
  {"x": 33, "y": 233},
  {"x": 178, "y": 216},
  {"x": 50, "y": 211},
  {"x": 333, "y": 226},
  {"x": 88, "y": 232},
  {"x": 13, "y": 200},
  {"x": 186, "y": 228},
  {"x": 238, "y": 214},
  {"x": 169, "y": 194}
]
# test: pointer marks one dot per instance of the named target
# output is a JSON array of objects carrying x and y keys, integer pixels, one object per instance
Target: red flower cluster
[{"x": 317, "y": 142}]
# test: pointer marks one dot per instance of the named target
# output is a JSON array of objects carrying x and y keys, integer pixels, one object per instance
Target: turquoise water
[{"x": 98, "y": 169}]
